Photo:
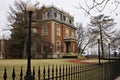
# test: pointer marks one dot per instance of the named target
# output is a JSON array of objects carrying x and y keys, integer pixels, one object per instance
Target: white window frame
[
  {"x": 58, "y": 30},
  {"x": 67, "y": 32},
  {"x": 44, "y": 30}
]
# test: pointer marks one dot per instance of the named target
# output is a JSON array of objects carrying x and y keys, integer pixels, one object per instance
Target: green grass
[{"x": 18, "y": 63}]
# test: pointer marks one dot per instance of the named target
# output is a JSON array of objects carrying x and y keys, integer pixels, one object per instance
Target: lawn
[{"x": 18, "y": 63}]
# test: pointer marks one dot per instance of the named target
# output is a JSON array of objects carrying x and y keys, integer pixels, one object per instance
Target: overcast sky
[{"x": 67, "y": 5}]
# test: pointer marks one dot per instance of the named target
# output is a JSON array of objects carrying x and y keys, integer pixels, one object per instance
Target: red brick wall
[{"x": 61, "y": 37}]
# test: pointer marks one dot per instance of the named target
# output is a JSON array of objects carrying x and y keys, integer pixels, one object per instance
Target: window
[
  {"x": 67, "y": 32},
  {"x": 72, "y": 34},
  {"x": 55, "y": 14},
  {"x": 42, "y": 51},
  {"x": 49, "y": 14},
  {"x": 58, "y": 30},
  {"x": 44, "y": 31},
  {"x": 34, "y": 30},
  {"x": 64, "y": 18},
  {"x": 43, "y": 16},
  {"x": 33, "y": 47},
  {"x": 58, "y": 45},
  {"x": 70, "y": 21},
  {"x": 61, "y": 17}
]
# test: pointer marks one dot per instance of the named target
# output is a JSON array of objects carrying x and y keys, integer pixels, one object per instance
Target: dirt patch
[{"x": 88, "y": 61}]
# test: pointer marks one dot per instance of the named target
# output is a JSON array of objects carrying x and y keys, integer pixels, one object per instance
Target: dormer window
[
  {"x": 55, "y": 14},
  {"x": 61, "y": 17},
  {"x": 70, "y": 21},
  {"x": 64, "y": 18},
  {"x": 49, "y": 14}
]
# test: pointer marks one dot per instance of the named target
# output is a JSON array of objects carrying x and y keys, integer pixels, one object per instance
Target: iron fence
[{"x": 105, "y": 71}]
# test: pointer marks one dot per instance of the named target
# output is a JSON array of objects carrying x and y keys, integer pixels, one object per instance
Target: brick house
[
  {"x": 56, "y": 30},
  {"x": 57, "y": 27}
]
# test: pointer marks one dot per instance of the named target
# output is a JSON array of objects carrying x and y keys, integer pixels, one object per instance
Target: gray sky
[{"x": 67, "y": 5}]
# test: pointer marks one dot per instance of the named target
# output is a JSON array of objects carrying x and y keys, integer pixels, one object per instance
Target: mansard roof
[{"x": 69, "y": 21}]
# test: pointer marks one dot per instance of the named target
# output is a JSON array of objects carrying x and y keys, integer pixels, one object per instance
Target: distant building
[{"x": 58, "y": 27}]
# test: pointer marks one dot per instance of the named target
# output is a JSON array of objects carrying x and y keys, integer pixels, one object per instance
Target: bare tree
[
  {"x": 98, "y": 5},
  {"x": 81, "y": 37},
  {"x": 102, "y": 26},
  {"x": 84, "y": 38},
  {"x": 116, "y": 40}
]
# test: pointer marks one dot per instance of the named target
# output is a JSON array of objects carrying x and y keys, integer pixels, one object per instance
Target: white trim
[{"x": 52, "y": 32}]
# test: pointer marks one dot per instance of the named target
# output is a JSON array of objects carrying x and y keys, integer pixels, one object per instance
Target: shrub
[{"x": 70, "y": 56}]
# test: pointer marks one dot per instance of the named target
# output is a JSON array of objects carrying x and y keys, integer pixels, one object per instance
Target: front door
[{"x": 67, "y": 46}]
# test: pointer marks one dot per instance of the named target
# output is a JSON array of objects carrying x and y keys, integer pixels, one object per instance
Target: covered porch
[{"x": 70, "y": 45}]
